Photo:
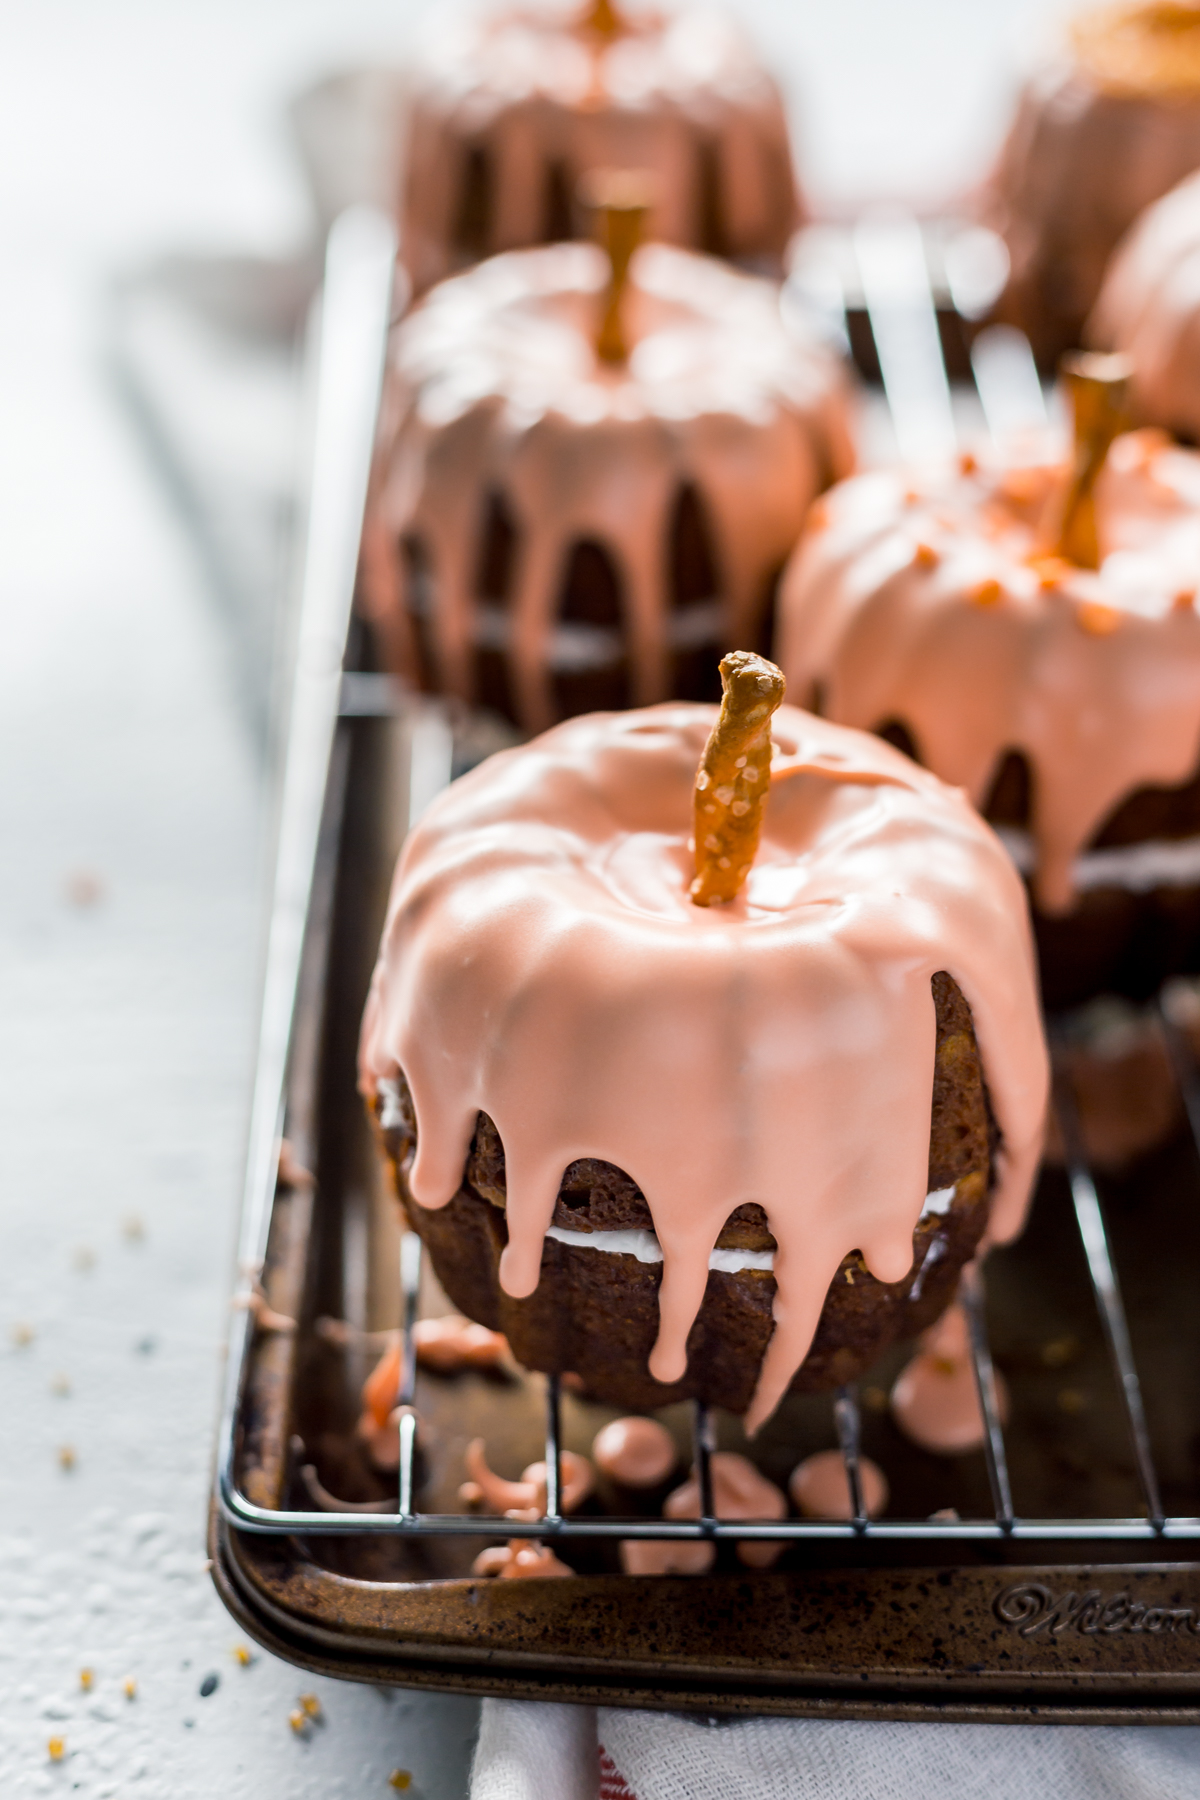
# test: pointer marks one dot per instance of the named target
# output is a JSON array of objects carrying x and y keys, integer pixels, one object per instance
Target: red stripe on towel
[{"x": 613, "y": 1785}]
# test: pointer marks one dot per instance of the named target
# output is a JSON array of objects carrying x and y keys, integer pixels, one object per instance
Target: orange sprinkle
[
  {"x": 987, "y": 593},
  {"x": 298, "y": 1722},
  {"x": 926, "y": 557},
  {"x": 85, "y": 1680},
  {"x": 400, "y": 1779},
  {"x": 1051, "y": 571},
  {"x": 56, "y": 1749},
  {"x": 66, "y": 1458},
  {"x": 1184, "y": 600},
  {"x": 311, "y": 1705},
  {"x": 242, "y": 1655},
  {"x": 1097, "y": 618},
  {"x": 967, "y": 463},
  {"x": 129, "y": 1688}
]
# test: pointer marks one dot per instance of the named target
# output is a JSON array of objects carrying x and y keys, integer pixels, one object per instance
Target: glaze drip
[{"x": 542, "y": 963}]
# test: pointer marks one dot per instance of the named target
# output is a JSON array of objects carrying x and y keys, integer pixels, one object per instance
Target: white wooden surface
[{"x": 130, "y": 862}]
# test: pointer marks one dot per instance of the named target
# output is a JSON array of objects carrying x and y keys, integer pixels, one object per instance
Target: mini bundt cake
[
  {"x": 1029, "y": 632},
  {"x": 1098, "y": 136},
  {"x": 560, "y": 524},
  {"x": 514, "y": 106},
  {"x": 1149, "y": 309},
  {"x": 716, "y": 1122}
]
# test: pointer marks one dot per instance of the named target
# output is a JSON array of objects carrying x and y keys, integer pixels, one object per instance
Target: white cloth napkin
[{"x": 531, "y": 1751}]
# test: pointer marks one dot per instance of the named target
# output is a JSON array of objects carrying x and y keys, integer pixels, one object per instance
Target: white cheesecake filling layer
[
  {"x": 1138, "y": 868},
  {"x": 647, "y": 1249}
]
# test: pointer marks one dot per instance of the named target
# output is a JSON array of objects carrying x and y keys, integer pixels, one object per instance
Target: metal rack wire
[{"x": 1004, "y": 1524}]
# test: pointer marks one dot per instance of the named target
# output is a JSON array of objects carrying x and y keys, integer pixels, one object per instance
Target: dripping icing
[
  {"x": 1094, "y": 676},
  {"x": 543, "y": 964}
]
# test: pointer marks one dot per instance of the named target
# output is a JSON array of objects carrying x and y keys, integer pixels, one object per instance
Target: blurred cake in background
[
  {"x": 1149, "y": 308},
  {"x": 513, "y": 106},
  {"x": 1029, "y": 632},
  {"x": 592, "y": 469},
  {"x": 1098, "y": 136}
]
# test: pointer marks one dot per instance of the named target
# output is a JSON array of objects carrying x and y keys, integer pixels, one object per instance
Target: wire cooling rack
[{"x": 358, "y": 298}]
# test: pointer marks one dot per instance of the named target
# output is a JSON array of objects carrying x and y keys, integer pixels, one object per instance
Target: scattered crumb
[
  {"x": 209, "y": 1685},
  {"x": 146, "y": 1346},
  {"x": 129, "y": 1688},
  {"x": 56, "y": 1749},
  {"x": 298, "y": 1722},
  {"x": 86, "y": 1679},
  {"x": 311, "y": 1705},
  {"x": 875, "y": 1399},
  {"x": 83, "y": 887},
  {"x": 491, "y": 1561},
  {"x": 66, "y": 1457},
  {"x": 22, "y": 1335},
  {"x": 1070, "y": 1400},
  {"x": 946, "y": 1515},
  {"x": 400, "y": 1779},
  {"x": 133, "y": 1228},
  {"x": 1059, "y": 1352},
  {"x": 1096, "y": 617},
  {"x": 83, "y": 1258},
  {"x": 254, "y": 1301},
  {"x": 242, "y": 1656},
  {"x": 987, "y": 593},
  {"x": 850, "y": 1277},
  {"x": 60, "y": 1386}
]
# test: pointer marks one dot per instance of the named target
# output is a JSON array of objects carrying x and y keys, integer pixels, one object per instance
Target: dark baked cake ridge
[{"x": 596, "y": 1310}]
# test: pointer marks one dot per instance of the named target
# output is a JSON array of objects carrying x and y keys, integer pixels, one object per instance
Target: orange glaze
[
  {"x": 542, "y": 962},
  {"x": 446, "y": 1345},
  {"x": 519, "y": 1560},
  {"x": 739, "y": 1492},
  {"x": 502, "y": 1496},
  {"x": 635, "y": 1452},
  {"x": 935, "y": 1400},
  {"x": 820, "y": 1486}
]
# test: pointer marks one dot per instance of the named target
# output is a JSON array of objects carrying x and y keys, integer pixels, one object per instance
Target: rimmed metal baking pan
[{"x": 1061, "y": 1580}]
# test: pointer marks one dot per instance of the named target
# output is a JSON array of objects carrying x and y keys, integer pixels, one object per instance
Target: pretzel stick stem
[
  {"x": 1098, "y": 386},
  {"x": 734, "y": 776},
  {"x": 602, "y": 17}
]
